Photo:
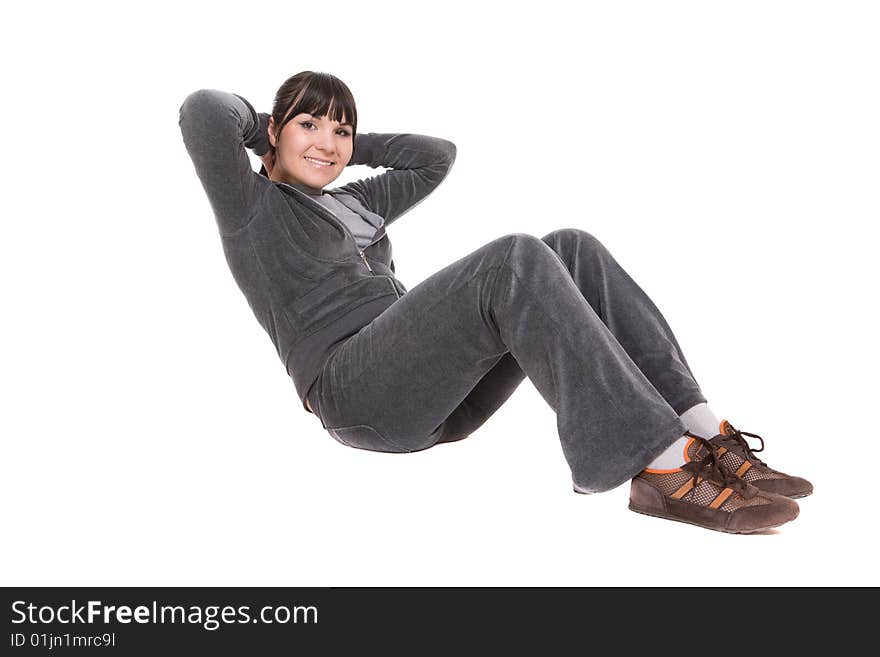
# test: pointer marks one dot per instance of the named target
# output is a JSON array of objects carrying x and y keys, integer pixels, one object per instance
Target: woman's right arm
[{"x": 217, "y": 127}]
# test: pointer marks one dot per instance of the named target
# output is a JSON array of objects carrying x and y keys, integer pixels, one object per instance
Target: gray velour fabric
[{"x": 396, "y": 370}]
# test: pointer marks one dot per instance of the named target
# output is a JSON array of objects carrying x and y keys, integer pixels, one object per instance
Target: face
[{"x": 305, "y": 139}]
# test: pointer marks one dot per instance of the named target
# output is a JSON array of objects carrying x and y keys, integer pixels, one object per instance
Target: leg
[
  {"x": 393, "y": 385},
  {"x": 488, "y": 395},
  {"x": 629, "y": 314},
  {"x": 622, "y": 306}
]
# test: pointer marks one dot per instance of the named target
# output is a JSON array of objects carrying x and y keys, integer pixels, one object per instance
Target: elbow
[
  {"x": 202, "y": 102},
  {"x": 451, "y": 152},
  {"x": 194, "y": 101},
  {"x": 190, "y": 107}
]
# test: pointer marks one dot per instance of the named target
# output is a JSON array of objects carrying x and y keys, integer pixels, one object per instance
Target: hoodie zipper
[
  {"x": 360, "y": 251},
  {"x": 364, "y": 257}
]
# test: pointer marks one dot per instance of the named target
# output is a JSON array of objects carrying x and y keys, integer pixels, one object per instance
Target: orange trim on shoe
[
  {"x": 722, "y": 496},
  {"x": 743, "y": 468},
  {"x": 659, "y": 471},
  {"x": 681, "y": 492}
]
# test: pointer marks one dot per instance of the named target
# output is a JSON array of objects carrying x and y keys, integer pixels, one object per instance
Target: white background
[{"x": 726, "y": 153}]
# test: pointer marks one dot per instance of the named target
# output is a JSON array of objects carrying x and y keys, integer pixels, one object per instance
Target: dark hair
[{"x": 314, "y": 92}]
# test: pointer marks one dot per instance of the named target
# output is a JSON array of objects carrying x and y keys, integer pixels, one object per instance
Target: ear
[{"x": 272, "y": 131}]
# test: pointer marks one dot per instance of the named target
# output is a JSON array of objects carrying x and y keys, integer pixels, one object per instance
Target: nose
[{"x": 324, "y": 143}]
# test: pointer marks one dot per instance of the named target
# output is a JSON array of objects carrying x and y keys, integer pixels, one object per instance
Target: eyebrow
[{"x": 318, "y": 118}]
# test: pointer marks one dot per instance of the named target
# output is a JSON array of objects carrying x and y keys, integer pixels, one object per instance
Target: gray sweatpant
[{"x": 443, "y": 358}]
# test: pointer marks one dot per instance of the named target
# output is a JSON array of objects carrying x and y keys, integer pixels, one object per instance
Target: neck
[{"x": 300, "y": 186}]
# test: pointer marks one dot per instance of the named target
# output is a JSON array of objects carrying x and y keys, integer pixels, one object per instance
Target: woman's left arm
[{"x": 417, "y": 163}]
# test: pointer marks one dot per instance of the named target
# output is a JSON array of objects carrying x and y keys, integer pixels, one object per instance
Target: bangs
[{"x": 324, "y": 95}]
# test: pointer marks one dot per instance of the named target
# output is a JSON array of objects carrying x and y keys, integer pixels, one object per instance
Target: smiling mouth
[{"x": 319, "y": 163}]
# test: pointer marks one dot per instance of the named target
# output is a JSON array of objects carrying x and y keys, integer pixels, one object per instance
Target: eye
[{"x": 342, "y": 131}]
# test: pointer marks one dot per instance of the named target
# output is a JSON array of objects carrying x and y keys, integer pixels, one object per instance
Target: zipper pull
[{"x": 364, "y": 258}]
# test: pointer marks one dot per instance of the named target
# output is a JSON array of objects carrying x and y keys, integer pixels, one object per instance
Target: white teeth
[{"x": 320, "y": 163}]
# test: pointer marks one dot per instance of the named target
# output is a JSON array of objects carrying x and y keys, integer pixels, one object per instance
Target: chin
[
  {"x": 323, "y": 181},
  {"x": 316, "y": 179}
]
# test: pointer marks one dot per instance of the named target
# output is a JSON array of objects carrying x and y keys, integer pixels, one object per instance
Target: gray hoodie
[{"x": 306, "y": 279}]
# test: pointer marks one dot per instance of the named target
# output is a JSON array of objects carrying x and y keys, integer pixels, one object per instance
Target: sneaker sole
[{"x": 697, "y": 524}]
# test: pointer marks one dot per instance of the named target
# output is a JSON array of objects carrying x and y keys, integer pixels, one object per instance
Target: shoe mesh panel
[
  {"x": 693, "y": 446},
  {"x": 731, "y": 461},
  {"x": 666, "y": 483},
  {"x": 704, "y": 493},
  {"x": 757, "y": 472},
  {"x": 735, "y": 502}
]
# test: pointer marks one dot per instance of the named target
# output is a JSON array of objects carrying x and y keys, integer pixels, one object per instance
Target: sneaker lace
[
  {"x": 736, "y": 438},
  {"x": 710, "y": 467}
]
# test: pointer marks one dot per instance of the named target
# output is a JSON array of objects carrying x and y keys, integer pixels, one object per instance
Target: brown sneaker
[
  {"x": 739, "y": 457},
  {"x": 703, "y": 492}
]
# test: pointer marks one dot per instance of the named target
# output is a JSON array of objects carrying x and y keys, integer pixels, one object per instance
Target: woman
[{"x": 392, "y": 370}]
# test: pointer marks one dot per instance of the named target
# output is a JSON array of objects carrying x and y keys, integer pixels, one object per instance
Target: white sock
[{"x": 699, "y": 420}]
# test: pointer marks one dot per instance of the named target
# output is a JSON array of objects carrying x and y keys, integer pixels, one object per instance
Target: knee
[
  {"x": 524, "y": 249},
  {"x": 581, "y": 238},
  {"x": 576, "y": 241}
]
